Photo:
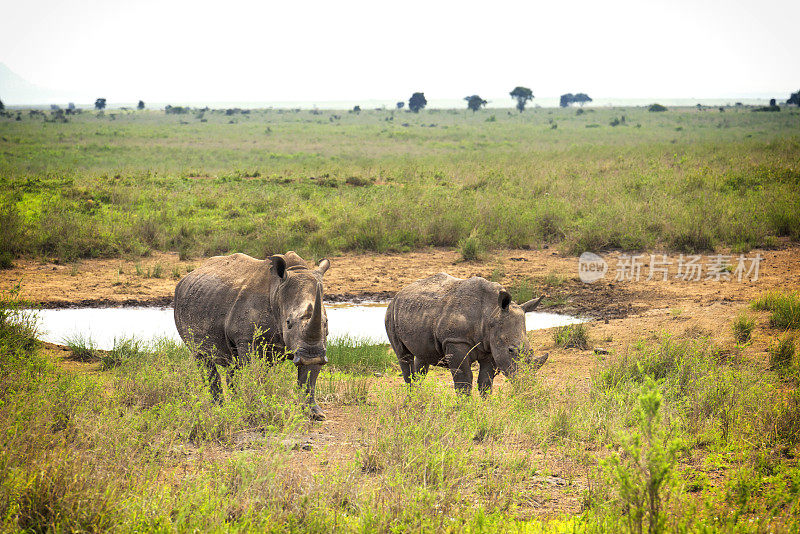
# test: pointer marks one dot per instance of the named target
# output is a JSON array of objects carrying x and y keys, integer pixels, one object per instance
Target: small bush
[
  {"x": 743, "y": 328},
  {"x": 358, "y": 181},
  {"x": 572, "y": 336},
  {"x": 656, "y": 107},
  {"x": 641, "y": 475},
  {"x": 471, "y": 247}
]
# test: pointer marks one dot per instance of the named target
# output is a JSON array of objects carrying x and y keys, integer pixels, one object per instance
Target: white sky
[{"x": 195, "y": 51}]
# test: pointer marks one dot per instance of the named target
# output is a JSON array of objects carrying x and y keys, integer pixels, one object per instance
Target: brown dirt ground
[{"x": 625, "y": 313}]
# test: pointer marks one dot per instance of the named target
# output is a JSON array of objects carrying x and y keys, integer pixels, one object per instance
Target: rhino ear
[
  {"x": 323, "y": 266},
  {"x": 504, "y": 299},
  {"x": 279, "y": 264}
]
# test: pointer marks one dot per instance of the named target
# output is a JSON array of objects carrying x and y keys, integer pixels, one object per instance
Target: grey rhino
[
  {"x": 233, "y": 304},
  {"x": 450, "y": 322}
]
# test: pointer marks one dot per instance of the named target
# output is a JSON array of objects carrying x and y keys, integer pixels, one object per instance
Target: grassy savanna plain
[
  {"x": 323, "y": 182},
  {"x": 690, "y": 425}
]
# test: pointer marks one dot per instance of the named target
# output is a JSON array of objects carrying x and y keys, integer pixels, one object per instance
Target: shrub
[
  {"x": 6, "y": 260},
  {"x": 641, "y": 475},
  {"x": 359, "y": 181},
  {"x": 471, "y": 247},
  {"x": 743, "y": 328},
  {"x": 656, "y": 107},
  {"x": 572, "y": 336}
]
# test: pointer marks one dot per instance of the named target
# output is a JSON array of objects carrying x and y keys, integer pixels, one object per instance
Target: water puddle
[{"x": 103, "y": 325}]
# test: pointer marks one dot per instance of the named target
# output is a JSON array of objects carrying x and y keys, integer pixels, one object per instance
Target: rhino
[
  {"x": 234, "y": 305},
  {"x": 451, "y": 322}
]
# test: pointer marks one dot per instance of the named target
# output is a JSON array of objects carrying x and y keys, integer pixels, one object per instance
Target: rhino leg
[
  {"x": 406, "y": 369},
  {"x": 307, "y": 380},
  {"x": 457, "y": 356},
  {"x": 420, "y": 369},
  {"x": 214, "y": 380},
  {"x": 486, "y": 376}
]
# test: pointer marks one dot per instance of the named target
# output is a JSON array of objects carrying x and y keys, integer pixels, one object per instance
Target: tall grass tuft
[
  {"x": 743, "y": 328},
  {"x": 573, "y": 336},
  {"x": 124, "y": 350},
  {"x": 82, "y": 348},
  {"x": 784, "y": 305},
  {"x": 781, "y": 353}
]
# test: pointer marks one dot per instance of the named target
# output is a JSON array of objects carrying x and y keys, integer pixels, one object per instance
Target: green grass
[
  {"x": 784, "y": 305},
  {"x": 325, "y": 182},
  {"x": 143, "y": 447},
  {"x": 358, "y": 356}
]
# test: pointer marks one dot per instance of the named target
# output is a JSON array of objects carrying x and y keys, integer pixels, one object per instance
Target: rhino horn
[
  {"x": 314, "y": 327},
  {"x": 531, "y": 304}
]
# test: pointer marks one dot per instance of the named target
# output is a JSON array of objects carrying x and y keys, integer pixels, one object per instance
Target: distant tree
[
  {"x": 656, "y": 107},
  {"x": 475, "y": 102},
  {"x": 523, "y": 95},
  {"x": 566, "y": 100},
  {"x": 2, "y": 106},
  {"x": 772, "y": 103},
  {"x": 100, "y": 103},
  {"x": 794, "y": 98},
  {"x": 356, "y": 109},
  {"x": 581, "y": 98},
  {"x": 140, "y": 105},
  {"x": 417, "y": 102},
  {"x": 71, "y": 105},
  {"x": 401, "y": 105}
]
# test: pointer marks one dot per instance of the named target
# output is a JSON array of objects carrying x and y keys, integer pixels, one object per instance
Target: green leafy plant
[
  {"x": 472, "y": 247},
  {"x": 642, "y": 474}
]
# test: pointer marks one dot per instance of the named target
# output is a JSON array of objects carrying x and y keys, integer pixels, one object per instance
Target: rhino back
[{"x": 205, "y": 298}]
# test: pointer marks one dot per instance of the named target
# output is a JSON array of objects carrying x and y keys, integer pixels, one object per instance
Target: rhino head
[
  {"x": 506, "y": 334},
  {"x": 297, "y": 297}
]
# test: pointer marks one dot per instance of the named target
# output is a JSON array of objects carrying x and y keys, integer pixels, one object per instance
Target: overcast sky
[{"x": 197, "y": 51}]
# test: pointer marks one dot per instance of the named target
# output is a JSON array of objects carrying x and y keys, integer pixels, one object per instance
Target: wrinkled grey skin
[
  {"x": 451, "y": 322},
  {"x": 220, "y": 306}
]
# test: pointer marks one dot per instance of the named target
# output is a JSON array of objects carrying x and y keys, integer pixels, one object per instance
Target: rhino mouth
[{"x": 310, "y": 357}]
